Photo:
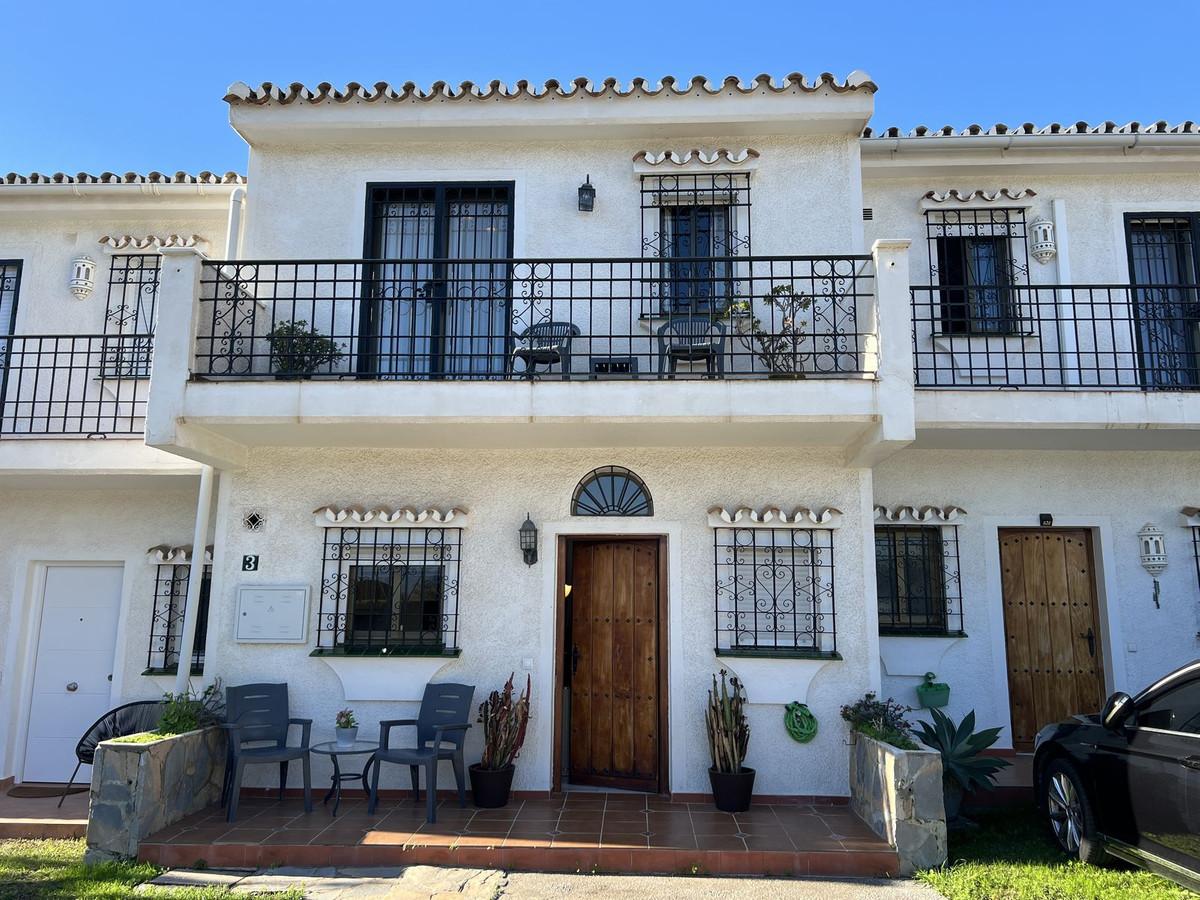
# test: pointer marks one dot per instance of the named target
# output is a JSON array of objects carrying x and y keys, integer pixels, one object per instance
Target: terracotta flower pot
[
  {"x": 491, "y": 787},
  {"x": 732, "y": 790}
]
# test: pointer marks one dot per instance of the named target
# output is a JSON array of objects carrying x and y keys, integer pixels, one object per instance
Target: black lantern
[
  {"x": 529, "y": 540},
  {"x": 587, "y": 196}
]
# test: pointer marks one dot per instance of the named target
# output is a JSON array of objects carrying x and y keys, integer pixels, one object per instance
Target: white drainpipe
[
  {"x": 191, "y": 608},
  {"x": 233, "y": 232}
]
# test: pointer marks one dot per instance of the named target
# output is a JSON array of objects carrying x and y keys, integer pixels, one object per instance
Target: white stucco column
[
  {"x": 191, "y": 609},
  {"x": 174, "y": 344}
]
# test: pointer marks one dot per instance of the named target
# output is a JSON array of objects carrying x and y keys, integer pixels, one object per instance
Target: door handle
[
  {"x": 1090, "y": 637},
  {"x": 1192, "y": 762},
  {"x": 575, "y": 654},
  {"x": 73, "y": 686}
]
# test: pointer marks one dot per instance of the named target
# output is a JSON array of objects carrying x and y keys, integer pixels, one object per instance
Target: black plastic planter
[
  {"x": 732, "y": 790},
  {"x": 491, "y": 787}
]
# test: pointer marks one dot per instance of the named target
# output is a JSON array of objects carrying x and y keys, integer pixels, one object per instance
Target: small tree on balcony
[
  {"x": 298, "y": 350},
  {"x": 778, "y": 347}
]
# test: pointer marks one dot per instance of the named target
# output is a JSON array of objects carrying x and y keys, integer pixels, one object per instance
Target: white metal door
[{"x": 72, "y": 677}]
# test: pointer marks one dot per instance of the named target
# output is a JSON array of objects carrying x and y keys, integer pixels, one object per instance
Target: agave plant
[
  {"x": 960, "y": 747},
  {"x": 504, "y": 719},
  {"x": 728, "y": 730}
]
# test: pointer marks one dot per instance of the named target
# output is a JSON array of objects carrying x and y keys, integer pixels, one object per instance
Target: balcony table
[{"x": 333, "y": 750}]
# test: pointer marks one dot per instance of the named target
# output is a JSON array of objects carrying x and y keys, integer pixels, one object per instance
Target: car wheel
[{"x": 1072, "y": 821}]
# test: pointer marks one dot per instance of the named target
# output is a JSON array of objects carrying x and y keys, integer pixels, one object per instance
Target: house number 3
[{"x": 250, "y": 563}]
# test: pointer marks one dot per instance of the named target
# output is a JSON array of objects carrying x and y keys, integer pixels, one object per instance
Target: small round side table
[{"x": 333, "y": 750}]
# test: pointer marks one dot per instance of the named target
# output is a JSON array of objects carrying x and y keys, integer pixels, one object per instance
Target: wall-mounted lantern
[
  {"x": 83, "y": 277},
  {"x": 529, "y": 537},
  {"x": 587, "y": 196},
  {"x": 1043, "y": 246},
  {"x": 1153, "y": 551}
]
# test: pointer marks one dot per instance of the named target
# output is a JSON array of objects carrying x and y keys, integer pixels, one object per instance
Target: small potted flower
[
  {"x": 504, "y": 719},
  {"x": 346, "y": 728},
  {"x": 728, "y": 737}
]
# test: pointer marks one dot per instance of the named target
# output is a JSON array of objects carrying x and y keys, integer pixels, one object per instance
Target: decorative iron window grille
[
  {"x": 389, "y": 591},
  {"x": 979, "y": 259},
  {"x": 129, "y": 315},
  {"x": 695, "y": 222},
  {"x": 612, "y": 491},
  {"x": 166, "y": 622},
  {"x": 1164, "y": 266},
  {"x": 917, "y": 579},
  {"x": 774, "y": 591},
  {"x": 10, "y": 287}
]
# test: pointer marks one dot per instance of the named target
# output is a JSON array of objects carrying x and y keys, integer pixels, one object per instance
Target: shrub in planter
[
  {"x": 963, "y": 768},
  {"x": 504, "y": 721},
  {"x": 297, "y": 351},
  {"x": 188, "y": 710},
  {"x": 728, "y": 736},
  {"x": 882, "y": 720}
]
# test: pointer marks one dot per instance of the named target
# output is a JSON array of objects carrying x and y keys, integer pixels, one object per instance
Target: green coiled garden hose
[{"x": 799, "y": 721}]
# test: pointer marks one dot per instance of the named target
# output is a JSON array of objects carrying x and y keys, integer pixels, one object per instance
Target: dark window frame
[
  {"x": 127, "y": 350},
  {"x": 166, "y": 619},
  {"x": 386, "y": 548},
  {"x": 373, "y": 224},
  {"x": 940, "y": 590},
  {"x": 632, "y": 499}
]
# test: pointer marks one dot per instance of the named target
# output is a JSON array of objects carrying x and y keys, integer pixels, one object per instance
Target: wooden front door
[
  {"x": 613, "y": 664},
  {"x": 1052, "y": 632}
]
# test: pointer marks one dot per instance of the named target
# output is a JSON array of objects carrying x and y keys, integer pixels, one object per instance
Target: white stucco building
[{"x": 825, "y": 405}]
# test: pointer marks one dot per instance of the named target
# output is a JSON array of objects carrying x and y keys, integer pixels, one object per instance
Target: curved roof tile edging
[
  {"x": 1000, "y": 129},
  {"x": 150, "y": 241},
  {"x": 989, "y": 196},
  {"x": 774, "y": 517},
  {"x": 704, "y": 157},
  {"x": 127, "y": 178},
  {"x": 382, "y": 516},
  {"x": 240, "y": 93},
  {"x": 918, "y": 513}
]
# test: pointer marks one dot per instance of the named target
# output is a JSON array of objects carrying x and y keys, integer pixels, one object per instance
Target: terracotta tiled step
[{"x": 575, "y": 831}]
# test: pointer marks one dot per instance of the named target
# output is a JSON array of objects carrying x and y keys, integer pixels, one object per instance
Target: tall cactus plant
[
  {"x": 728, "y": 730},
  {"x": 504, "y": 721}
]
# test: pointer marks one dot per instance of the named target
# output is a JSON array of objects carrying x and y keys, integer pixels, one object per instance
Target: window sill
[
  {"x": 387, "y": 652},
  {"x": 920, "y": 633},
  {"x": 173, "y": 670},
  {"x": 775, "y": 653}
]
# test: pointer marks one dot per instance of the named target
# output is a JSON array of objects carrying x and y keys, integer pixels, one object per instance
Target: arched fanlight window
[{"x": 611, "y": 491}]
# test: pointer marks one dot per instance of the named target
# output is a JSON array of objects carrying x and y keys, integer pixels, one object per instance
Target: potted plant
[
  {"x": 504, "y": 719},
  {"x": 297, "y": 350},
  {"x": 777, "y": 347},
  {"x": 345, "y": 728},
  {"x": 963, "y": 768},
  {"x": 728, "y": 736},
  {"x": 882, "y": 720}
]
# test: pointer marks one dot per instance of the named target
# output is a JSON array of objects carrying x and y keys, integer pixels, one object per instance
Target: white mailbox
[{"x": 272, "y": 614}]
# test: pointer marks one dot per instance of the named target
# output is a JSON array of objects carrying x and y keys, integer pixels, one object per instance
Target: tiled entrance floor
[
  {"x": 570, "y": 832},
  {"x": 42, "y": 817}
]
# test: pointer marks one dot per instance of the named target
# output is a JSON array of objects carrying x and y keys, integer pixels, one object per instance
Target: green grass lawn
[
  {"x": 1012, "y": 857},
  {"x": 31, "y": 870}
]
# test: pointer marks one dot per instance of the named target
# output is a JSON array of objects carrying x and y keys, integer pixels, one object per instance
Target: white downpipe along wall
[{"x": 191, "y": 610}]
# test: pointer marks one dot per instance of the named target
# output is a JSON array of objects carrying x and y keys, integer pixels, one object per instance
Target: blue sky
[{"x": 93, "y": 87}]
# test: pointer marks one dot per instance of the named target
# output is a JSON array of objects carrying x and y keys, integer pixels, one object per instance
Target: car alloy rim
[{"x": 1066, "y": 816}]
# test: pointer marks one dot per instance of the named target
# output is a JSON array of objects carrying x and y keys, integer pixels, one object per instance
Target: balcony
[
  {"x": 75, "y": 385},
  {"x": 720, "y": 318}
]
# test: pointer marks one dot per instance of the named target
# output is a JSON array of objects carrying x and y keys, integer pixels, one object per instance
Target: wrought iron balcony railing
[
  {"x": 74, "y": 385},
  {"x": 562, "y": 319},
  {"x": 1058, "y": 337}
]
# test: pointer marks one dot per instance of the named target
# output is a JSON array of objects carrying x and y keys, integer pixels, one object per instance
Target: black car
[{"x": 1126, "y": 782}]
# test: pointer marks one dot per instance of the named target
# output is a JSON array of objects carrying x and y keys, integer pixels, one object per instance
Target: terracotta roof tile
[
  {"x": 127, "y": 178},
  {"x": 1107, "y": 127}
]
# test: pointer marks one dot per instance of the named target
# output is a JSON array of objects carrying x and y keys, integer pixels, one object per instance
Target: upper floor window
[
  {"x": 697, "y": 223},
  {"x": 1165, "y": 271},
  {"x": 978, "y": 257},
  {"x": 10, "y": 287},
  {"x": 612, "y": 491},
  {"x": 389, "y": 591},
  {"x": 129, "y": 314}
]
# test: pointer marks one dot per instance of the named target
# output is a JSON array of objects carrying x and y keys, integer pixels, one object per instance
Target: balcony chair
[
  {"x": 442, "y": 721},
  {"x": 132, "y": 718},
  {"x": 257, "y": 714},
  {"x": 546, "y": 344},
  {"x": 691, "y": 339}
]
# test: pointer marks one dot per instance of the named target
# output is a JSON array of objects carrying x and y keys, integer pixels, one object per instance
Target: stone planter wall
[
  {"x": 898, "y": 793},
  {"x": 138, "y": 789}
]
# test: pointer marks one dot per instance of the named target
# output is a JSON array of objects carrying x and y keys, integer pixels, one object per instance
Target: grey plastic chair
[
  {"x": 442, "y": 721},
  {"x": 546, "y": 344},
  {"x": 257, "y": 714},
  {"x": 691, "y": 339},
  {"x": 132, "y": 718}
]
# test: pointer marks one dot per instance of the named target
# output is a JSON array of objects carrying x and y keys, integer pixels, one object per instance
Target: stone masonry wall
[
  {"x": 138, "y": 789},
  {"x": 898, "y": 793}
]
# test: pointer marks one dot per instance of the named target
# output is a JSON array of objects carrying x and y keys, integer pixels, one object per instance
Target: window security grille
[
  {"x": 917, "y": 579},
  {"x": 612, "y": 491},
  {"x": 389, "y": 591},
  {"x": 129, "y": 315},
  {"x": 774, "y": 591},
  {"x": 1165, "y": 269},
  {"x": 166, "y": 622},
  {"x": 980, "y": 260},
  {"x": 10, "y": 286}
]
